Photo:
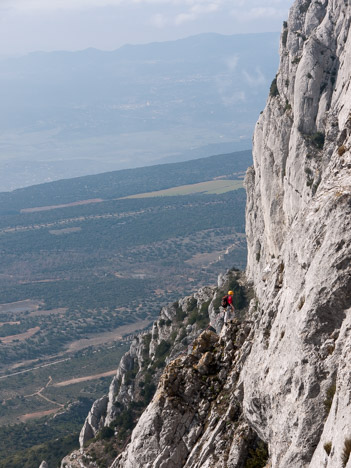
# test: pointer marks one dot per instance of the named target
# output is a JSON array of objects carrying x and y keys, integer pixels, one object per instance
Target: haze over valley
[{"x": 66, "y": 114}]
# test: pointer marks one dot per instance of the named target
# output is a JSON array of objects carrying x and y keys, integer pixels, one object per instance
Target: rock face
[
  {"x": 299, "y": 237},
  {"x": 280, "y": 378},
  {"x": 141, "y": 367},
  {"x": 167, "y": 339},
  {"x": 194, "y": 416}
]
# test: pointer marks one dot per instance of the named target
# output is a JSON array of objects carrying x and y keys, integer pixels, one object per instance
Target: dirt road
[
  {"x": 84, "y": 379},
  {"x": 106, "y": 337}
]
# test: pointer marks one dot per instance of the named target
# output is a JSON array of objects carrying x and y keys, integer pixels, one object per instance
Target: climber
[{"x": 227, "y": 304}]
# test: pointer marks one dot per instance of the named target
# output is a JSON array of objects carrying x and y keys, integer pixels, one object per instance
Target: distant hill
[
  {"x": 66, "y": 114},
  {"x": 126, "y": 182}
]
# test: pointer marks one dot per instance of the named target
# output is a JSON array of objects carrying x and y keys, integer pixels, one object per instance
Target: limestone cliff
[
  {"x": 274, "y": 387},
  {"x": 109, "y": 423},
  {"x": 299, "y": 238}
]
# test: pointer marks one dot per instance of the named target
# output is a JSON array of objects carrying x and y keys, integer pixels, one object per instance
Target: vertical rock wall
[{"x": 299, "y": 243}]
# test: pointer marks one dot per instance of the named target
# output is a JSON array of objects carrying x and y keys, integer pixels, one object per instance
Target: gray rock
[
  {"x": 298, "y": 212},
  {"x": 189, "y": 422},
  {"x": 94, "y": 421}
]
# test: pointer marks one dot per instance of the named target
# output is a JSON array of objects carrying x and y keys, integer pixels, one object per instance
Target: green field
[
  {"x": 27, "y": 445},
  {"x": 209, "y": 188},
  {"x": 27, "y": 433},
  {"x": 19, "y": 390}
]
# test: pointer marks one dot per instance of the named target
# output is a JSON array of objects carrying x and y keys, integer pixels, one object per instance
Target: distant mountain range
[{"x": 66, "y": 114}]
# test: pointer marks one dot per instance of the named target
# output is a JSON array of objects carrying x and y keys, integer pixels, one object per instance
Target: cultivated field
[{"x": 209, "y": 187}]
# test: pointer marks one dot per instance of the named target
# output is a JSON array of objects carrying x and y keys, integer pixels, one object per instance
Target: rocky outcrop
[
  {"x": 95, "y": 420},
  {"x": 141, "y": 367},
  {"x": 194, "y": 419}
]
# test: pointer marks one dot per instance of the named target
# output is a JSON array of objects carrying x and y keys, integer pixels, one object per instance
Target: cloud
[
  {"x": 197, "y": 10},
  {"x": 232, "y": 62},
  {"x": 39, "y": 24},
  {"x": 159, "y": 21},
  {"x": 259, "y": 9},
  {"x": 184, "y": 18},
  {"x": 255, "y": 79},
  {"x": 230, "y": 100},
  {"x": 200, "y": 8},
  {"x": 264, "y": 12},
  {"x": 25, "y": 5},
  {"x": 176, "y": 11},
  {"x": 198, "y": 5},
  {"x": 225, "y": 86},
  {"x": 41, "y": 5}
]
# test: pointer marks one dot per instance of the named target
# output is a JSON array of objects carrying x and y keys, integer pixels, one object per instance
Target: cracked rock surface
[
  {"x": 194, "y": 420},
  {"x": 299, "y": 242}
]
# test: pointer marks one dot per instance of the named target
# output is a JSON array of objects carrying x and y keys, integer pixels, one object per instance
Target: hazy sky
[{"x": 28, "y": 25}]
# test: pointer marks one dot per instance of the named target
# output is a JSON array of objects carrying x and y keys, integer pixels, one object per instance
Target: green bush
[
  {"x": 106, "y": 433},
  {"x": 192, "y": 304},
  {"x": 147, "y": 340},
  {"x": 180, "y": 314},
  {"x": 317, "y": 139},
  {"x": 162, "y": 349},
  {"x": 125, "y": 420},
  {"x": 204, "y": 308},
  {"x": 149, "y": 391},
  {"x": 327, "y": 447},
  {"x": 284, "y": 37},
  {"x": 130, "y": 375},
  {"x": 287, "y": 106},
  {"x": 147, "y": 377},
  {"x": 346, "y": 452},
  {"x": 273, "y": 90},
  {"x": 258, "y": 456},
  {"x": 305, "y": 6},
  {"x": 329, "y": 397},
  {"x": 193, "y": 317}
]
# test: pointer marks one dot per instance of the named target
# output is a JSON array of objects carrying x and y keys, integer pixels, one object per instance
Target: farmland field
[
  {"x": 84, "y": 268},
  {"x": 210, "y": 187}
]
